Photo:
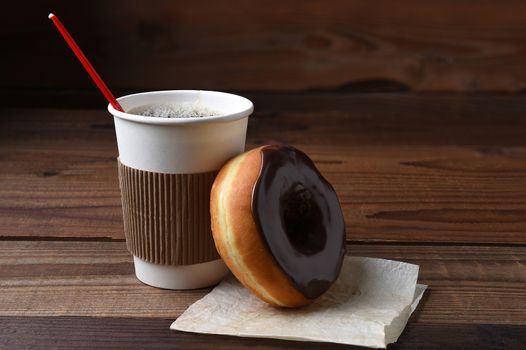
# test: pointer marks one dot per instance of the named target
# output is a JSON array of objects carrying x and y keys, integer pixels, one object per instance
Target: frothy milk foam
[{"x": 172, "y": 110}]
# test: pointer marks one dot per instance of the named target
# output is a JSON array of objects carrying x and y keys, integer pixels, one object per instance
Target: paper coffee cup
[{"x": 166, "y": 170}]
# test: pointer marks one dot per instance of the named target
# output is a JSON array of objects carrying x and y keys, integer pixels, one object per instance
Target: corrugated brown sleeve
[{"x": 167, "y": 216}]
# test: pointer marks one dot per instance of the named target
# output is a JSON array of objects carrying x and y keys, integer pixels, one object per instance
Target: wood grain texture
[
  {"x": 407, "y": 168},
  {"x": 444, "y": 45},
  {"x": 467, "y": 284},
  {"x": 137, "y": 333}
]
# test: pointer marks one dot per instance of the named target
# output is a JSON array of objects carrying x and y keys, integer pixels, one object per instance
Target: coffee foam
[{"x": 172, "y": 110}]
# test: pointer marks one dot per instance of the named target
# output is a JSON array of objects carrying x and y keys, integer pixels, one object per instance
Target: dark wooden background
[{"x": 271, "y": 45}]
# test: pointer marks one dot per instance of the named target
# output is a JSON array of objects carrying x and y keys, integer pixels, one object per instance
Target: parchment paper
[{"x": 369, "y": 305}]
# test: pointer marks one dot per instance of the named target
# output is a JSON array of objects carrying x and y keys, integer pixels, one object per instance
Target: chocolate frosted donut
[{"x": 278, "y": 225}]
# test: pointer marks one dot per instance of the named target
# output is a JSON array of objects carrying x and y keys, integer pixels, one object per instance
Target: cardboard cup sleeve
[{"x": 167, "y": 216}]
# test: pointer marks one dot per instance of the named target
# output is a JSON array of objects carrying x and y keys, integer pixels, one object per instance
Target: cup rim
[{"x": 242, "y": 113}]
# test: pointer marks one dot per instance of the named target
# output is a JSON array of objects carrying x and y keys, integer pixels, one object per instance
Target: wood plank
[
  {"x": 140, "y": 333},
  {"x": 444, "y": 45},
  {"x": 407, "y": 168},
  {"x": 476, "y": 284}
]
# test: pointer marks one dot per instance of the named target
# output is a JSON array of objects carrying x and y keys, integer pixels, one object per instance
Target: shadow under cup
[{"x": 166, "y": 170}]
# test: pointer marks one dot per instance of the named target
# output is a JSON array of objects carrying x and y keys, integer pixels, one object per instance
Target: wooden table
[{"x": 434, "y": 180}]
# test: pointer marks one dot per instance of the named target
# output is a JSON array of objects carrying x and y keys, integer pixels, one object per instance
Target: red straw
[{"x": 78, "y": 52}]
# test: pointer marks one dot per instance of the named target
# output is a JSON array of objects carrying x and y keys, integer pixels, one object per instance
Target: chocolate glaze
[{"x": 299, "y": 218}]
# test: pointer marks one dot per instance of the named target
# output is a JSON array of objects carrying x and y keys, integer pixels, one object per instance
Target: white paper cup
[{"x": 181, "y": 146}]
